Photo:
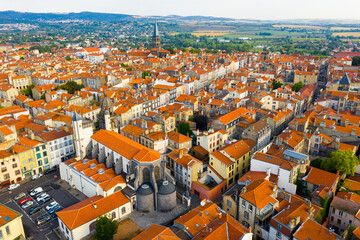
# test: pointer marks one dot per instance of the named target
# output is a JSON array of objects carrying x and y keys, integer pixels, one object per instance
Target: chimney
[
  {"x": 292, "y": 223},
  {"x": 243, "y": 190}
]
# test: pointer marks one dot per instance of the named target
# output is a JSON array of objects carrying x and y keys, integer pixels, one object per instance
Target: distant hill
[
  {"x": 98, "y": 17},
  {"x": 87, "y": 16}
]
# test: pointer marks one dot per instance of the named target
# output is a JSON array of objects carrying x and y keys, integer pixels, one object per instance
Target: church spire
[{"x": 156, "y": 30}]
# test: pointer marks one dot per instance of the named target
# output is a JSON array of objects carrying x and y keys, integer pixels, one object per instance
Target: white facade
[
  {"x": 83, "y": 183},
  {"x": 284, "y": 175},
  {"x": 88, "y": 228},
  {"x": 60, "y": 149},
  {"x": 82, "y": 135}
]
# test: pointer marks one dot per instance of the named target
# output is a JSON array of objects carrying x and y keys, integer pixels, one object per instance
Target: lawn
[
  {"x": 346, "y": 34},
  {"x": 127, "y": 229}
]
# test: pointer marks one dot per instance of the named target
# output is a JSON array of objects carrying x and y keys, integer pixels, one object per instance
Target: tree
[
  {"x": 68, "y": 58},
  {"x": 297, "y": 86},
  {"x": 184, "y": 128},
  {"x": 316, "y": 163},
  {"x": 71, "y": 87},
  {"x": 28, "y": 90},
  {"x": 356, "y": 61},
  {"x": 344, "y": 161},
  {"x": 145, "y": 74},
  {"x": 42, "y": 96},
  {"x": 105, "y": 228},
  {"x": 276, "y": 84}
]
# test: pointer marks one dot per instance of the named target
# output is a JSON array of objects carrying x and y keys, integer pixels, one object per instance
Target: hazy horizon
[{"x": 239, "y": 9}]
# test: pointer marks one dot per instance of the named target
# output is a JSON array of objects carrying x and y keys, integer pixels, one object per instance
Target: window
[
  {"x": 123, "y": 210},
  {"x": 3, "y": 169},
  {"x": 38, "y": 155},
  {"x": 43, "y": 147},
  {"x": 1, "y": 235},
  {"x": 7, "y": 230},
  {"x": 44, "y": 154},
  {"x": 350, "y": 221},
  {"x": 6, "y": 176},
  {"x": 339, "y": 221},
  {"x": 37, "y": 149},
  {"x": 113, "y": 215},
  {"x": 40, "y": 163},
  {"x": 14, "y": 165},
  {"x": 243, "y": 203},
  {"x": 278, "y": 235},
  {"x": 340, "y": 213},
  {"x": 46, "y": 161},
  {"x": 228, "y": 203},
  {"x": 250, "y": 208},
  {"x": 17, "y": 172},
  {"x": 246, "y": 215}
]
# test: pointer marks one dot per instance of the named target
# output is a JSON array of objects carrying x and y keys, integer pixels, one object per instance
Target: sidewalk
[{"x": 73, "y": 191}]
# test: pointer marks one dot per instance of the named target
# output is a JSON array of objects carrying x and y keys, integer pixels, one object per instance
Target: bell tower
[{"x": 156, "y": 37}]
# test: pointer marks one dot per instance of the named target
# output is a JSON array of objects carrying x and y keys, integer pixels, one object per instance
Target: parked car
[
  {"x": 41, "y": 220},
  {"x": 35, "y": 191},
  {"x": 51, "y": 211},
  {"x": 36, "y": 176},
  {"x": 51, "y": 205},
  {"x": 13, "y": 186},
  {"x": 50, "y": 170},
  {"x": 24, "y": 200},
  {"x": 53, "y": 215},
  {"x": 42, "y": 196},
  {"x": 45, "y": 200},
  {"x": 20, "y": 195},
  {"x": 27, "y": 204},
  {"x": 34, "y": 210}
]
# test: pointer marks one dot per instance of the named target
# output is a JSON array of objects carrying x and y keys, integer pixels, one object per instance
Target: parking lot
[{"x": 57, "y": 193}]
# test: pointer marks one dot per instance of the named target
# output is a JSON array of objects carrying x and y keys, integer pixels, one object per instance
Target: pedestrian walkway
[{"x": 73, "y": 191}]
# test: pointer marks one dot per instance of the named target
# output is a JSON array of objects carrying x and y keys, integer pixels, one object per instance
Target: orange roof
[
  {"x": 91, "y": 208},
  {"x": 125, "y": 146},
  {"x": 7, "y": 214},
  {"x": 312, "y": 230},
  {"x": 319, "y": 177},
  {"x": 233, "y": 115},
  {"x": 156, "y": 232},
  {"x": 282, "y": 163},
  {"x": 223, "y": 227},
  {"x": 198, "y": 218},
  {"x": 260, "y": 193},
  {"x": 178, "y": 137}
]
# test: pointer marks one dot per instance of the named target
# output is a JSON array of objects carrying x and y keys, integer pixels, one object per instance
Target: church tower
[
  {"x": 83, "y": 130},
  {"x": 156, "y": 37},
  {"x": 107, "y": 118}
]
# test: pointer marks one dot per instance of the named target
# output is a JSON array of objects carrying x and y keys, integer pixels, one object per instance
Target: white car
[
  {"x": 27, "y": 204},
  {"x": 42, "y": 196},
  {"x": 36, "y": 176},
  {"x": 13, "y": 186},
  {"x": 51, "y": 205}
]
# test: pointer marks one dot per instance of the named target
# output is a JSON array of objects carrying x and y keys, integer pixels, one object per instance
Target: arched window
[
  {"x": 123, "y": 210},
  {"x": 92, "y": 227},
  {"x": 113, "y": 215},
  {"x": 146, "y": 175},
  {"x": 157, "y": 172},
  {"x": 118, "y": 188}
]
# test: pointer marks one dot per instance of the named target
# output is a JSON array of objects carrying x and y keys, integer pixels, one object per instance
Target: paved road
[{"x": 61, "y": 195}]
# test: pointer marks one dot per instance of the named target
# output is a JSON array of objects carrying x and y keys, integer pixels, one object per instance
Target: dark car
[
  {"x": 53, "y": 215},
  {"x": 50, "y": 170},
  {"x": 34, "y": 210},
  {"x": 41, "y": 220},
  {"x": 51, "y": 211},
  {"x": 45, "y": 200}
]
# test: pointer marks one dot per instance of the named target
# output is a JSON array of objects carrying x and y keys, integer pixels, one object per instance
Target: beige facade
[{"x": 11, "y": 226}]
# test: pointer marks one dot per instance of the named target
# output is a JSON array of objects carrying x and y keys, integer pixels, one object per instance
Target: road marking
[{"x": 48, "y": 234}]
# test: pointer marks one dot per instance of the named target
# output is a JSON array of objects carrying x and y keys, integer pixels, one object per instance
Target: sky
[{"x": 240, "y": 9}]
